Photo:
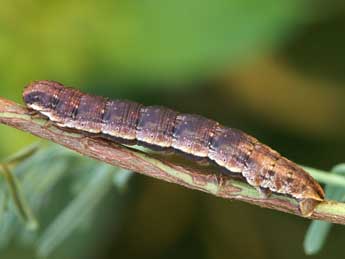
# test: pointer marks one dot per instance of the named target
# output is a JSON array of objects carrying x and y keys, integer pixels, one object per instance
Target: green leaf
[
  {"x": 21, "y": 205},
  {"x": 22, "y": 154},
  {"x": 40, "y": 182},
  {"x": 77, "y": 211},
  {"x": 317, "y": 232},
  {"x": 121, "y": 178},
  {"x": 3, "y": 203},
  {"x": 327, "y": 177}
]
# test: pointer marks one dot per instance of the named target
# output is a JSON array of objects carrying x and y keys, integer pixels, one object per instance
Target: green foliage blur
[{"x": 274, "y": 69}]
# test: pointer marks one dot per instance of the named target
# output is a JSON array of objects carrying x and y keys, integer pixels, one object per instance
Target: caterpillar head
[{"x": 41, "y": 95}]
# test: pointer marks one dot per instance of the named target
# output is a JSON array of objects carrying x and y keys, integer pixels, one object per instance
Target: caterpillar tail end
[{"x": 307, "y": 206}]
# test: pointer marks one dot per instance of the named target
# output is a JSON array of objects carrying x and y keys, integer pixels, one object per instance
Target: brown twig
[{"x": 197, "y": 178}]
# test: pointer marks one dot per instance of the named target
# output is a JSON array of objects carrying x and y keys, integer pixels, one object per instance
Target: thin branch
[{"x": 198, "y": 178}]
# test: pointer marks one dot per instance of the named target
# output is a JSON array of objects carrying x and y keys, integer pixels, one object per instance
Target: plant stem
[{"x": 199, "y": 178}]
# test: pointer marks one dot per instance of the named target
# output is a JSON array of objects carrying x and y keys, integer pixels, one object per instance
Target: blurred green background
[{"x": 274, "y": 69}]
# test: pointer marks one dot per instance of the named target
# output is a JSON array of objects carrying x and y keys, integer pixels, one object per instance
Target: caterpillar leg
[
  {"x": 264, "y": 192},
  {"x": 307, "y": 206},
  {"x": 203, "y": 161},
  {"x": 47, "y": 124},
  {"x": 34, "y": 114}
]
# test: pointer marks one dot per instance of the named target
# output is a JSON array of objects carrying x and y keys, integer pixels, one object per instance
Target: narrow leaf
[
  {"x": 317, "y": 232},
  {"x": 77, "y": 211},
  {"x": 121, "y": 178},
  {"x": 3, "y": 203},
  {"x": 326, "y": 177},
  {"x": 22, "y": 155},
  {"x": 19, "y": 201}
]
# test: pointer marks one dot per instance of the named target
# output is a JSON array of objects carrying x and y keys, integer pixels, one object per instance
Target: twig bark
[{"x": 202, "y": 179}]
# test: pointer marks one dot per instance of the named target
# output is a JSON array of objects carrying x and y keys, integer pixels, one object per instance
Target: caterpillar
[{"x": 194, "y": 135}]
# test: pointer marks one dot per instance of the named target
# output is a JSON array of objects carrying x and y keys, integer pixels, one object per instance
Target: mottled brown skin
[
  {"x": 156, "y": 125},
  {"x": 161, "y": 127},
  {"x": 192, "y": 134},
  {"x": 120, "y": 119}
]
